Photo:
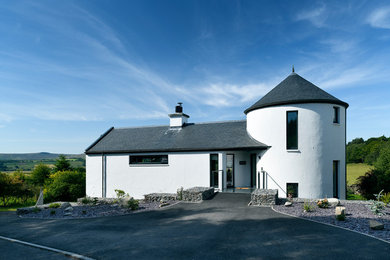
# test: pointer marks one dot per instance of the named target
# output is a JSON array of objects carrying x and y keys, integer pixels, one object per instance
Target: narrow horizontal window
[
  {"x": 336, "y": 115},
  {"x": 292, "y": 130},
  {"x": 149, "y": 159}
]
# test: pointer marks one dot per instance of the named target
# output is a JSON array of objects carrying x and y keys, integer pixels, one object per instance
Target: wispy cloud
[
  {"x": 316, "y": 16},
  {"x": 380, "y": 18},
  {"x": 226, "y": 95},
  {"x": 101, "y": 63},
  {"x": 340, "y": 45}
]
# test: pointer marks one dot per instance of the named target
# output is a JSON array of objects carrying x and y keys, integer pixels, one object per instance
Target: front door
[
  {"x": 230, "y": 170},
  {"x": 214, "y": 170}
]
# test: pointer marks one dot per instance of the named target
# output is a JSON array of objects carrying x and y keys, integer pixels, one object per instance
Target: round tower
[{"x": 305, "y": 129}]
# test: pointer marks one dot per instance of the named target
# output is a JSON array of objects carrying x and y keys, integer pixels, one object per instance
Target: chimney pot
[{"x": 179, "y": 108}]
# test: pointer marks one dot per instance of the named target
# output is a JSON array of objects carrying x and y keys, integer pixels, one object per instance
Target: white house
[{"x": 293, "y": 140}]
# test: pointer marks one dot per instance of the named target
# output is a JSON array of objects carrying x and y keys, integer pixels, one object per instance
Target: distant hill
[
  {"x": 36, "y": 156},
  {"x": 10, "y": 162}
]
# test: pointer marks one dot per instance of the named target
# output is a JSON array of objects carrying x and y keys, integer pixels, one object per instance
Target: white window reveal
[{"x": 148, "y": 159}]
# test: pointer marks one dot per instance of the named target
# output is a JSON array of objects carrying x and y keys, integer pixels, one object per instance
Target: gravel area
[
  {"x": 92, "y": 211},
  {"x": 358, "y": 215}
]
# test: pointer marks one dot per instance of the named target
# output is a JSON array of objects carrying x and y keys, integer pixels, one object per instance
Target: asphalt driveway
[{"x": 221, "y": 228}]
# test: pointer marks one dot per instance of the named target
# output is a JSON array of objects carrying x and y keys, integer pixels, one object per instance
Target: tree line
[
  {"x": 376, "y": 152},
  {"x": 360, "y": 151},
  {"x": 60, "y": 183}
]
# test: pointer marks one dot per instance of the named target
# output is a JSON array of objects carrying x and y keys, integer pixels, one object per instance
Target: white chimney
[{"x": 178, "y": 119}]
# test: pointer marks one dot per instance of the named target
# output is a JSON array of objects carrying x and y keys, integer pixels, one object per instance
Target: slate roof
[
  {"x": 293, "y": 90},
  {"x": 229, "y": 135}
]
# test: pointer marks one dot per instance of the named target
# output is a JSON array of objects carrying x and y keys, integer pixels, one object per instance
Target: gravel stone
[
  {"x": 91, "y": 211},
  {"x": 357, "y": 216}
]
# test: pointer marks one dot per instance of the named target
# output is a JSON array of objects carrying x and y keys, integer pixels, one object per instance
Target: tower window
[
  {"x": 292, "y": 130},
  {"x": 336, "y": 115}
]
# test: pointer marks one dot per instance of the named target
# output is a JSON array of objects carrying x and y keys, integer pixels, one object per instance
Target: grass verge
[{"x": 355, "y": 170}]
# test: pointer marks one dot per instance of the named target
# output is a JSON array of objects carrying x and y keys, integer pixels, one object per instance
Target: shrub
[
  {"x": 180, "y": 193},
  {"x": 323, "y": 203},
  {"x": 52, "y": 212},
  {"x": 133, "y": 204},
  {"x": 54, "y": 205},
  {"x": 120, "y": 194},
  {"x": 65, "y": 186},
  {"x": 307, "y": 207},
  {"x": 14, "y": 189},
  {"x": 386, "y": 198},
  {"x": 377, "y": 206},
  {"x": 368, "y": 184},
  {"x": 84, "y": 212},
  {"x": 86, "y": 200},
  {"x": 373, "y": 182}
]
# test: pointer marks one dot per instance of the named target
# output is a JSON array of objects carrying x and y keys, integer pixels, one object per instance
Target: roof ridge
[
  {"x": 220, "y": 122},
  {"x": 200, "y": 123}
]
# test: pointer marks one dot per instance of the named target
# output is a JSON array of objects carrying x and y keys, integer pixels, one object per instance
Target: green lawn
[{"x": 354, "y": 170}]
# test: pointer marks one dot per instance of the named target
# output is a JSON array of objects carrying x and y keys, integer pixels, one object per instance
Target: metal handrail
[{"x": 267, "y": 174}]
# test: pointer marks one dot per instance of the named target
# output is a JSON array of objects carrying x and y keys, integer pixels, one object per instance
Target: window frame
[
  {"x": 287, "y": 139},
  {"x": 159, "y": 163},
  {"x": 336, "y": 115}
]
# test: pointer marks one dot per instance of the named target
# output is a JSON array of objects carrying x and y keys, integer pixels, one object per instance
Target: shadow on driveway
[{"x": 224, "y": 227}]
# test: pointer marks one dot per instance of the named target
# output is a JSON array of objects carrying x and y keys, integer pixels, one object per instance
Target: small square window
[
  {"x": 336, "y": 115},
  {"x": 292, "y": 188}
]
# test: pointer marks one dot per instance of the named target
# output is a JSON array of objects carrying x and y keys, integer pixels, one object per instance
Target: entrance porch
[{"x": 234, "y": 171}]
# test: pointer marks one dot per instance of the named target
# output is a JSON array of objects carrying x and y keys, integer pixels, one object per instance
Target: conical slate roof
[{"x": 295, "y": 90}]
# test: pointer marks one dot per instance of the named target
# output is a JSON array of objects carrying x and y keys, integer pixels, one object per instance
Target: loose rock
[
  {"x": 375, "y": 225},
  {"x": 333, "y": 202},
  {"x": 65, "y": 205},
  {"x": 68, "y": 209}
]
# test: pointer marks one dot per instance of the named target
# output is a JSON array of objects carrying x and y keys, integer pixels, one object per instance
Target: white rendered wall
[
  {"x": 94, "y": 175},
  {"x": 184, "y": 170},
  {"x": 320, "y": 142}
]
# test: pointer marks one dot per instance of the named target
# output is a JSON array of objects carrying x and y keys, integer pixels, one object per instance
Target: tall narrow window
[
  {"x": 214, "y": 170},
  {"x": 335, "y": 179},
  {"x": 292, "y": 130},
  {"x": 336, "y": 115}
]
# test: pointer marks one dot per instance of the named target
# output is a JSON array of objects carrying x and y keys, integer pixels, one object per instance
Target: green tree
[
  {"x": 65, "y": 186},
  {"x": 40, "y": 174},
  {"x": 383, "y": 162},
  {"x": 62, "y": 164}
]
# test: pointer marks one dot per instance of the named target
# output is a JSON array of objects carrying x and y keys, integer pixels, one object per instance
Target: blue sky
[{"x": 69, "y": 70}]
